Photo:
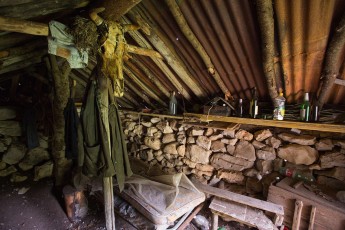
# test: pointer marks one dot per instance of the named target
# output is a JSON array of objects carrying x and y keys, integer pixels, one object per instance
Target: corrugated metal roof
[{"x": 229, "y": 32}]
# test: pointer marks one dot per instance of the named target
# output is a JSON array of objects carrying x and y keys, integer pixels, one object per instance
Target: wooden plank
[
  {"x": 297, "y": 215},
  {"x": 273, "y": 123},
  {"x": 327, "y": 218},
  {"x": 191, "y": 216},
  {"x": 214, "y": 124},
  {"x": 241, "y": 213},
  {"x": 260, "y": 204},
  {"x": 312, "y": 218},
  {"x": 339, "y": 82},
  {"x": 154, "y": 115}
]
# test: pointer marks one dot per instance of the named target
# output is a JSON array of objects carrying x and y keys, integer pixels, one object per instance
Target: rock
[
  {"x": 7, "y": 113},
  {"x": 264, "y": 166},
  {"x": 231, "y": 176},
  {"x": 34, "y": 157},
  {"x": 332, "y": 159},
  {"x": 23, "y": 190},
  {"x": 205, "y": 168},
  {"x": 182, "y": 132},
  {"x": 143, "y": 155},
  {"x": 3, "y": 147},
  {"x": 188, "y": 162},
  {"x": 3, "y": 165},
  {"x": 155, "y": 120},
  {"x": 181, "y": 150},
  {"x": 150, "y": 155},
  {"x": 130, "y": 125},
  {"x": 169, "y": 171},
  {"x": 8, "y": 171},
  {"x": 151, "y": 131},
  {"x": 298, "y": 139},
  {"x": 336, "y": 172},
  {"x": 225, "y": 161},
  {"x": 203, "y": 142},
  {"x": 324, "y": 145},
  {"x": 277, "y": 164},
  {"x": 258, "y": 145},
  {"x": 253, "y": 185},
  {"x": 202, "y": 173},
  {"x": 266, "y": 153},
  {"x": 331, "y": 182},
  {"x": 216, "y": 137},
  {"x": 153, "y": 143},
  {"x": 181, "y": 139},
  {"x": 7, "y": 141},
  {"x": 298, "y": 154},
  {"x": 267, "y": 180},
  {"x": 209, "y": 132},
  {"x": 245, "y": 150},
  {"x": 160, "y": 158},
  {"x": 171, "y": 148},
  {"x": 198, "y": 154},
  {"x": 146, "y": 124},
  {"x": 10, "y": 128},
  {"x": 230, "y": 149},
  {"x": 173, "y": 124},
  {"x": 138, "y": 130},
  {"x": 167, "y": 138},
  {"x": 44, "y": 142},
  {"x": 186, "y": 170},
  {"x": 218, "y": 146},
  {"x": 157, "y": 153},
  {"x": 341, "y": 196},
  {"x": 340, "y": 143},
  {"x": 168, "y": 129},
  {"x": 250, "y": 172},
  {"x": 43, "y": 171},
  {"x": 274, "y": 142},
  {"x": 195, "y": 131},
  {"x": 15, "y": 153},
  {"x": 190, "y": 140},
  {"x": 158, "y": 135},
  {"x": 16, "y": 178},
  {"x": 161, "y": 125},
  {"x": 133, "y": 116},
  {"x": 229, "y": 141},
  {"x": 244, "y": 135},
  {"x": 262, "y": 135},
  {"x": 315, "y": 167},
  {"x": 229, "y": 133}
]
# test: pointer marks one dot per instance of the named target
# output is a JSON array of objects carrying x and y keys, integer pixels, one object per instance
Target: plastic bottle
[
  {"x": 254, "y": 108},
  {"x": 172, "y": 104},
  {"x": 279, "y": 106},
  {"x": 239, "y": 108},
  {"x": 297, "y": 174},
  {"x": 305, "y": 108}
]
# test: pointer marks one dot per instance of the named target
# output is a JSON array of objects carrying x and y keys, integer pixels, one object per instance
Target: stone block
[
  {"x": 153, "y": 143},
  {"x": 324, "y": 145},
  {"x": 216, "y": 137},
  {"x": 10, "y": 128},
  {"x": 266, "y": 153},
  {"x": 298, "y": 154},
  {"x": 233, "y": 177},
  {"x": 332, "y": 159},
  {"x": 228, "y": 162},
  {"x": 273, "y": 142},
  {"x": 258, "y": 145},
  {"x": 14, "y": 154},
  {"x": 171, "y": 148},
  {"x": 195, "y": 131},
  {"x": 262, "y": 135},
  {"x": 198, "y": 154},
  {"x": 209, "y": 132},
  {"x": 181, "y": 150},
  {"x": 218, "y": 146},
  {"x": 245, "y": 150},
  {"x": 244, "y": 135},
  {"x": 263, "y": 166},
  {"x": 8, "y": 171},
  {"x": 298, "y": 139},
  {"x": 34, "y": 157},
  {"x": 204, "y": 142},
  {"x": 167, "y": 138}
]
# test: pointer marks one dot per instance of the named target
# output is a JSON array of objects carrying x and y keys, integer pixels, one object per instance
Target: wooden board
[
  {"x": 241, "y": 213},
  {"x": 241, "y": 199},
  {"x": 214, "y": 124},
  {"x": 325, "y": 218}
]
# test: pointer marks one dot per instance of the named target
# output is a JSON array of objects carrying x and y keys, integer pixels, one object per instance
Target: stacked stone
[
  {"x": 16, "y": 160},
  {"x": 235, "y": 156}
]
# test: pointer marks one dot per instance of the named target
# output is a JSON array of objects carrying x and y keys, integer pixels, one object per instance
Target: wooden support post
[
  {"x": 312, "y": 218},
  {"x": 214, "y": 221},
  {"x": 297, "y": 215}
]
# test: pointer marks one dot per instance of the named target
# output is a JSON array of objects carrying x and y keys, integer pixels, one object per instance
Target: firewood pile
[{"x": 247, "y": 161}]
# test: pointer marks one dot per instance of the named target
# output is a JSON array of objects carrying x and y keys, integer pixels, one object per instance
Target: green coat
[{"x": 95, "y": 157}]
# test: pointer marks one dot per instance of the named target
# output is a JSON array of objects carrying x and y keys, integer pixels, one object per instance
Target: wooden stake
[
  {"x": 312, "y": 218},
  {"x": 297, "y": 215},
  {"x": 143, "y": 51}
]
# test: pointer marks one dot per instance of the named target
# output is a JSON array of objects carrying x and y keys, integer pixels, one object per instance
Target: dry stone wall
[
  {"x": 239, "y": 157},
  {"x": 16, "y": 161}
]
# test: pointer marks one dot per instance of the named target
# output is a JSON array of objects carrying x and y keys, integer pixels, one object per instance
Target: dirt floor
[{"x": 41, "y": 208}]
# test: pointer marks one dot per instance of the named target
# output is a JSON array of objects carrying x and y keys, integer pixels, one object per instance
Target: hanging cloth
[{"x": 71, "y": 130}]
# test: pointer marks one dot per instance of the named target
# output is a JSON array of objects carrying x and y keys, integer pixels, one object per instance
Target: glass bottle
[
  {"x": 239, "y": 109},
  {"x": 172, "y": 104},
  {"x": 279, "y": 106},
  {"x": 254, "y": 108},
  {"x": 297, "y": 174},
  {"x": 305, "y": 108}
]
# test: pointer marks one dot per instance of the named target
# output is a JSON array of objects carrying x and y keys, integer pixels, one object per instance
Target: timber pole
[{"x": 266, "y": 24}]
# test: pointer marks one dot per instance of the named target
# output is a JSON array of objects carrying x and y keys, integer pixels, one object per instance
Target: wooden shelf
[
  {"x": 334, "y": 128},
  {"x": 274, "y": 123}
]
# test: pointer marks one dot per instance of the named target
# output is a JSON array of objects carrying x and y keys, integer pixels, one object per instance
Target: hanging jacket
[{"x": 71, "y": 130}]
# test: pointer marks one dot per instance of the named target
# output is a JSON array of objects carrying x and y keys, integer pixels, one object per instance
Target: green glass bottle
[{"x": 305, "y": 108}]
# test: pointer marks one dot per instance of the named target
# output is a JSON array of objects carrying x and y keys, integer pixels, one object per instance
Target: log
[
  {"x": 20, "y": 50},
  {"x": 164, "y": 68},
  {"x": 23, "y": 26},
  {"x": 162, "y": 44},
  {"x": 143, "y": 51},
  {"x": 266, "y": 24},
  {"x": 182, "y": 23},
  {"x": 24, "y": 57},
  {"x": 331, "y": 65},
  {"x": 20, "y": 65}
]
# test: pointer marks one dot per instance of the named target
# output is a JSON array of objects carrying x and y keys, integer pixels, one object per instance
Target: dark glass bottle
[
  {"x": 239, "y": 108},
  {"x": 254, "y": 108},
  {"x": 172, "y": 104}
]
